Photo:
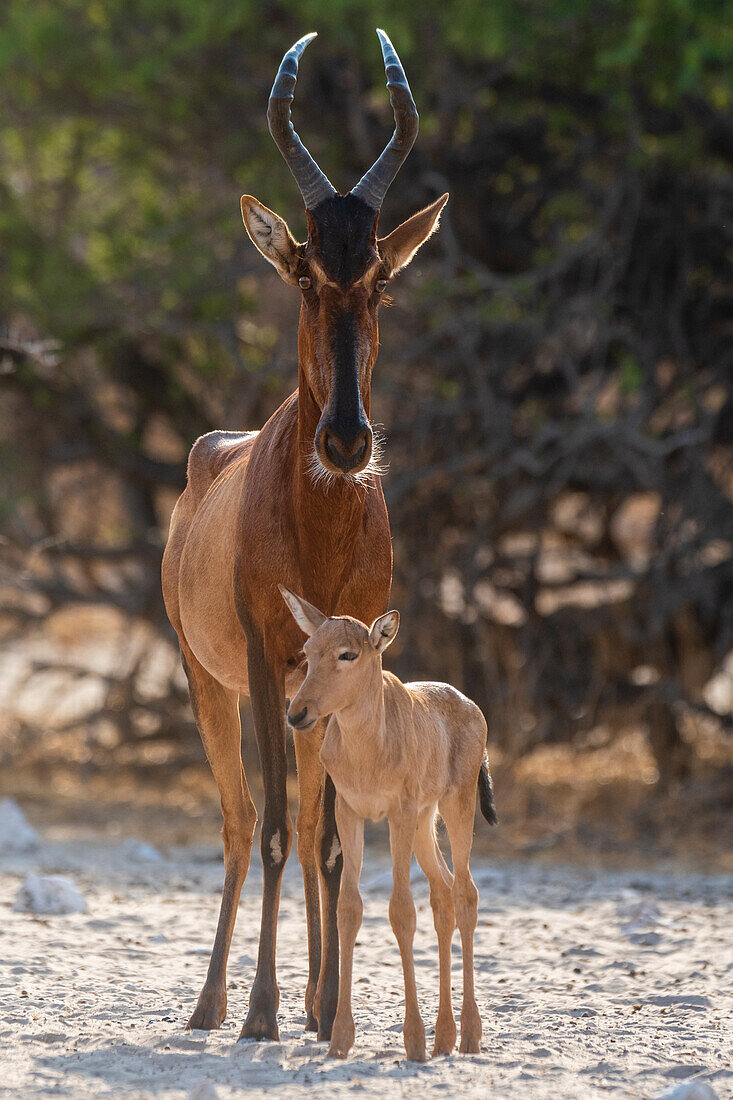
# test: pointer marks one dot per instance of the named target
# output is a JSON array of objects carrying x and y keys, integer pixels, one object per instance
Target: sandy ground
[{"x": 590, "y": 983}]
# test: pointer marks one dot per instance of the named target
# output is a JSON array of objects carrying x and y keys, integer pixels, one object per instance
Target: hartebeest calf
[
  {"x": 299, "y": 502},
  {"x": 405, "y": 752}
]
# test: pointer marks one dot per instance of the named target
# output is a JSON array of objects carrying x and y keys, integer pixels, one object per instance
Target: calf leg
[
  {"x": 350, "y": 910},
  {"x": 458, "y": 814},
  {"x": 217, "y": 715},
  {"x": 310, "y": 783},
  {"x": 330, "y": 860},
  {"x": 441, "y": 901},
  {"x": 403, "y": 920},
  {"x": 267, "y": 692}
]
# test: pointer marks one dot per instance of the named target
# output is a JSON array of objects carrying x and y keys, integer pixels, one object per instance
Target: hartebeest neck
[{"x": 329, "y": 510}]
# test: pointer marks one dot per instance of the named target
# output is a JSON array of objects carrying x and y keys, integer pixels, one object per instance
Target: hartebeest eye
[
  {"x": 347, "y": 655},
  {"x": 304, "y": 282},
  {"x": 380, "y": 285}
]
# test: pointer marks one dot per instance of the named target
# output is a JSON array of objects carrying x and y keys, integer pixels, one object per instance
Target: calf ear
[
  {"x": 270, "y": 235},
  {"x": 308, "y": 617},
  {"x": 400, "y": 246},
  {"x": 383, "y": 630}
]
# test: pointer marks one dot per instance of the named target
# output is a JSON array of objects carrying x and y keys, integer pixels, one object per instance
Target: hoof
[
  {"x": 326, "y": 1014},
  {"x": 209, "y": 1013},
  {"x": 414, "y": 1037},
  {"x": 311, "y": 1023},
  {"x": 470, "y": 1045},
  {"x": 445, "y": 1038},
  {"x": 260, "y": 1026},
  {"x": 261, "y": 1022},
  {"x": 342, "y": 1039}
]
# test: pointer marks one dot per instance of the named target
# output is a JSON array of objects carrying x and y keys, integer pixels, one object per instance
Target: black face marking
[
  {"x": 344, "y": 237},
  {"x": 347, "y": 420}
]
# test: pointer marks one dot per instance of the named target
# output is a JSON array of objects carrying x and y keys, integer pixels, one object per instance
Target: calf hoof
[
  {"x": 342, "y": 1040},
  {"x": 445, "y": 1035},
  {"x": 415, "y": 1044},
  {"x": 470, "y": 1045},
  {"x": 210, "y": 1011},
  {"x": 470, "y": 1031}
]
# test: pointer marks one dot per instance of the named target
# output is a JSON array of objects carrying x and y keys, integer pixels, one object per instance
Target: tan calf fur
[{"x": 404, "y": 752}]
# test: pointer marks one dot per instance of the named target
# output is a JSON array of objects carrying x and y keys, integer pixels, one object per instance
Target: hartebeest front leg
[
  {"x": 267, "y": 692},
  {"x": 217, "y": 717},
  {"x": 330, "y": 862},
  {"x": 403, "y": 920},
  {"x": 350, "y": 910},
  {"x": 310, "y": 785}
]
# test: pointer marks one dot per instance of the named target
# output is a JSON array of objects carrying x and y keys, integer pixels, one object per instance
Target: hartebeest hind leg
[
  {"x": 458, "y": 810},
  {"x": 330, "y": 861},
  {"x": 217, "y": 715},
  {"x": 310, "y": 784},
  {"x": 441, "y": 901},
  {"x": 403, "y": 920},
  {"x": 267, "y": 693}
]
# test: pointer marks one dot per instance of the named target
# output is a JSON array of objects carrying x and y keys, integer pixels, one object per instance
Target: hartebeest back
[{"x": 283, "y": 505}]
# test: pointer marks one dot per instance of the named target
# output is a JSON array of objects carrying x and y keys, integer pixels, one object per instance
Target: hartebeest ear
[
  {"x": 398, "y": 248},
  {"x": 270, "y": 235},
  {"x": 308, "y": 617},
  {"x": 383, "y": 630}
]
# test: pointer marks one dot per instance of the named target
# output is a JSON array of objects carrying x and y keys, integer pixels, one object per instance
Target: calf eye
[
  {"x": 348, "y": 656},
  {"x": 380, "y": 285},
  {"x": 304, "y": 282}
]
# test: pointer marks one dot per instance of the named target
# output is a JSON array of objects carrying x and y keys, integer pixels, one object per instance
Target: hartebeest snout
[
  {"x": 405, "y": 752},
  {"x": 283, "y": 505}
]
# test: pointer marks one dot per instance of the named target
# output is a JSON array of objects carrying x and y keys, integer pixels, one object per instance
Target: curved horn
[
  {"x": 374, "y": 185},
  {"x": 314, "y": 186}
]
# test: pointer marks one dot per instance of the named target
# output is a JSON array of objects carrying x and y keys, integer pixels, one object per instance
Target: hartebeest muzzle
[{"x": 349, "y": 454}]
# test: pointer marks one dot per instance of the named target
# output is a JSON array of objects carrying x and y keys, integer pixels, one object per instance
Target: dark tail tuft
[{"x": 486, "y": 792}]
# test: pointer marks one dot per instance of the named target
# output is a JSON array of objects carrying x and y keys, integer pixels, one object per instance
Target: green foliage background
[
  {"x": 129, "y": 127},
  {"x": 567, "y": 332}
]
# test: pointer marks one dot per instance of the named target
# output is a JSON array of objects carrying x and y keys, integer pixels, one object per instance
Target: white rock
[
  {"x": 139, "y": 851},
  {"x": 49, "y": 894},
  {"x": 16, "y": 835},
  {"x": 690, "y": 1090}
]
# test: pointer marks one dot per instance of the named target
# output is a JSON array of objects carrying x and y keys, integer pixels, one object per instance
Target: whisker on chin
[{"x": 323, "y": 478}]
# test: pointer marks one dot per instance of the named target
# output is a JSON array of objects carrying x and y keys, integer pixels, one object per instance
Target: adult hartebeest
[{"x": 298, "y": 503}]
